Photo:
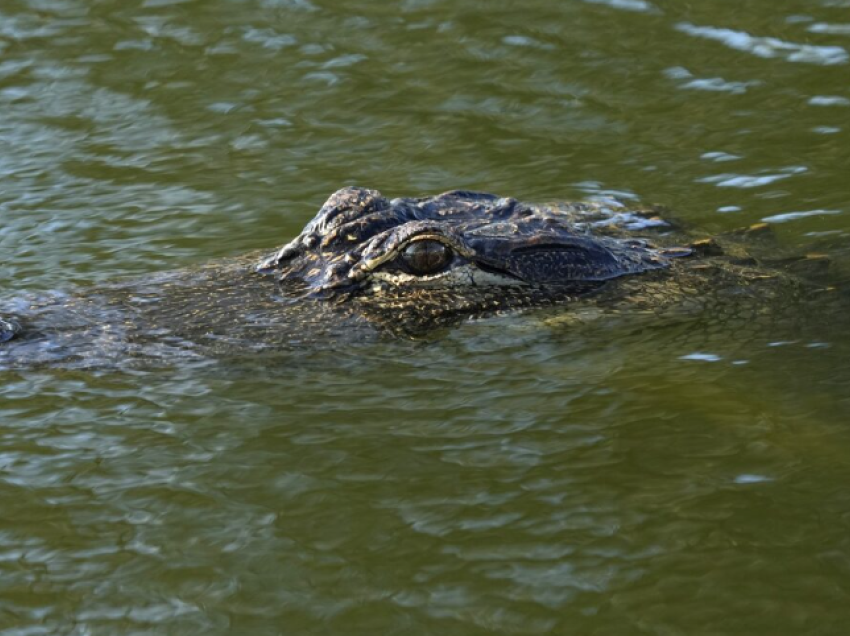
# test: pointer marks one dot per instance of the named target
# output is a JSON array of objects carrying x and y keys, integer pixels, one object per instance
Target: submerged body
[{"x": 366, "y": 267}]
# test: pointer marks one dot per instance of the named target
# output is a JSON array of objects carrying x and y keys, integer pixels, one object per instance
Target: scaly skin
[{"x": 367, "y": 267}]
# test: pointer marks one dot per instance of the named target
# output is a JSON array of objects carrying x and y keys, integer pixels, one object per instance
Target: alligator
[{"x": 370, "y": 267}]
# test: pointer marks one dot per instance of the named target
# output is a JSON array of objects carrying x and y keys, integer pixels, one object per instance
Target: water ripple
[
  {"x": 576, "y": 471},
  {"x": 768, "y": 47}
]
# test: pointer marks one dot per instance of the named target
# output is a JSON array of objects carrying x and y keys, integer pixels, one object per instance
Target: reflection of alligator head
[{"x": 427, "y": 261}]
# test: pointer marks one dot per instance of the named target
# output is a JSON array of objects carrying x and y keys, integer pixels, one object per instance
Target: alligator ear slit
[{"x": 279, "y": 258}]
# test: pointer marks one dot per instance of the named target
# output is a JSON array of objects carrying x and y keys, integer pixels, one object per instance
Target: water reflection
[{"x": 515, "y": 476}]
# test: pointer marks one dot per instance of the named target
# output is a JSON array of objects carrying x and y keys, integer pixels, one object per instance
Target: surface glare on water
[{"x": 522, "y": 475}]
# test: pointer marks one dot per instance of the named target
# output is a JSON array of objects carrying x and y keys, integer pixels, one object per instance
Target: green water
[{"x": 507, "y": 479}]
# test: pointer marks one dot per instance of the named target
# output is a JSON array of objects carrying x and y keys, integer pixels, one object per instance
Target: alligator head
[{"x": 425, "y": 261}]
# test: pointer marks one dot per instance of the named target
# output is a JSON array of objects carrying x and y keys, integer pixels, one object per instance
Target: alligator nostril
[{"x": 676, "y": 252}]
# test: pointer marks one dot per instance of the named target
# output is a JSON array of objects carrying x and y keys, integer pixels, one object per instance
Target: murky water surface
[{"x": 509, "y": 478}]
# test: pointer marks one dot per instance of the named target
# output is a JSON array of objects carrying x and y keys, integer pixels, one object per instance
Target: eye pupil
[{"x": 426, "y": 257}]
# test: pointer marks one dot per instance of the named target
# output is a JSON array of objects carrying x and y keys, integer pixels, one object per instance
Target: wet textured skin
[{"x": 368, "y": 267}]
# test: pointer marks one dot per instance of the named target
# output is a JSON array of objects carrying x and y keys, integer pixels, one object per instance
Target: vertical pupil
[
  {"x": 426, "y": 257},
  {"x": 429, "y": 256}
]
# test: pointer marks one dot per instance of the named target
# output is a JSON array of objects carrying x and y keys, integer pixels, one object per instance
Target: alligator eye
[{"x": 426, "y": 257}]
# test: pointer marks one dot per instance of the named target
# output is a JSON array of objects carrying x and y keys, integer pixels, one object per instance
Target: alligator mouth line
[{"x": 491, "y": 269}]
